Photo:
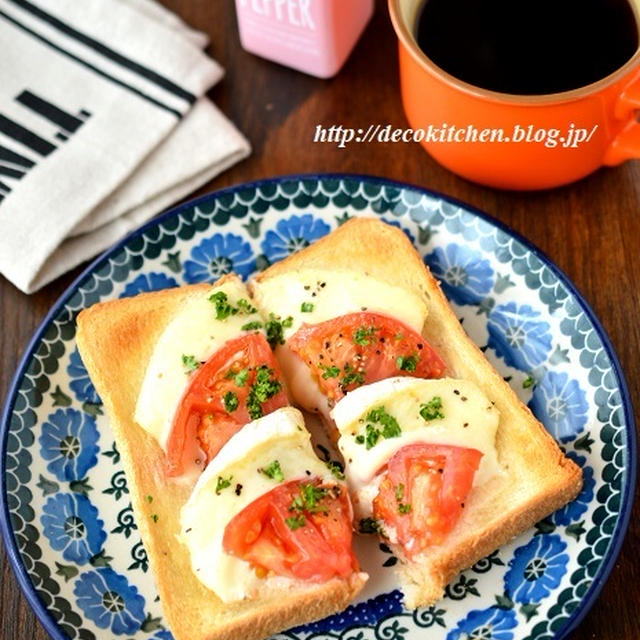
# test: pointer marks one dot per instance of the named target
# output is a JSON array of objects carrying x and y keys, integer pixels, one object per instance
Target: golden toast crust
[
  {"x": 116, "y": 341},
  {"x": 537, "y": 479}
]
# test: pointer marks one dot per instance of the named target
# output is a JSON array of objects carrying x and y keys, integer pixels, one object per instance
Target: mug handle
[{"x": 626, "y": 144}]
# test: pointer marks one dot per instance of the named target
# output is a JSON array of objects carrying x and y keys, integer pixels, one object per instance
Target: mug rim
[{"x": 408, "y": 40}]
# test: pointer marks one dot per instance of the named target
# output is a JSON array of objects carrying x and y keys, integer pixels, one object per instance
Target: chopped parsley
[
  {"x": 154, "y": 517},
  {"x": 295, "y": 522},
  {"x": 224, "y": 308},
  {"x": 329, "y": 372},
  {"x": 273, "y": 471},
  {"x": 275, "y": 327},
  {"x": 371, "y": 437},
  {"x": 390, "y": 426},
  {"x": 189, "y": 362},
  {"x": 221, "y": 304},
  {"x": 149, "y": 499},
  {"x": 240, "y": 378},
  {"x": 432, "y": 409},
  {"x": 223, "y": 483},
  {"x": 336, "y": 469},
  {"x": 364, "y": 336},
  {"x": 351, "y": 376},
  {"x": 380, "y": 424},
  {"x": 261, "y": 390},
  {"x": 308, "y": 499},
  {"x": 369, "y": 525},
  {"x": 403, "y": 507},
  {"x": 407, "y": 363},
  {"x": 307, "y": 307},
  {"x": 528, "y": 382},
  {"x": 245, "y": 307},
  {"x": 252, "y": 326},
  {"x": 230, "y": 401}
]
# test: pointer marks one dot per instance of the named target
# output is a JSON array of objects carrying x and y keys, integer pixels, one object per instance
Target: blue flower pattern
[
  {"x": 218, "y": 255},
  {"x": 291, "y": 235},
  {"x": 69, "y": 441},
  {"x": 488, "y": 624},
  {"x": 108, "y": 599},
  {"x": 519, "y": 335},
  {"x": 576, "y": 508},
  {"x": 364, "y": 613},
  {"x": 148, "y": 282},
  {"x": 81, "y": 384},
  {"x": 560, "y": 404},
  {"x": 536, "y": 569},
  {"x": 71, "y": 524},
  {"x": 466, "y": 277}
]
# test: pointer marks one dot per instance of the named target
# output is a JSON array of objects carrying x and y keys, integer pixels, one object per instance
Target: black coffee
[{"x": 528, "y": 46}]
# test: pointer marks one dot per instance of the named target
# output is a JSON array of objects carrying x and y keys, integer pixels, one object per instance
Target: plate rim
[{"x": 627, "y": 492}]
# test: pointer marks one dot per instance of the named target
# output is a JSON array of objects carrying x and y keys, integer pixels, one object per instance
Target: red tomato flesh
[
  {"x": 423, "y": 491},
  {"x": 361, "y": 348},
  {"x": 239, "y": 383},
  {"x": 312, "y": 544}
]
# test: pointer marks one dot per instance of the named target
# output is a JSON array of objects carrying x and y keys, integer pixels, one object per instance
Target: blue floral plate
[{"x": 66, "y": 515}]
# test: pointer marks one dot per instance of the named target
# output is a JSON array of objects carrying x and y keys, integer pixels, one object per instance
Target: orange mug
[{"x": 516, "y": 141}]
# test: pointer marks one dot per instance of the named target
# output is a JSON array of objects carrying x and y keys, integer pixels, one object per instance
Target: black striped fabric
[
  {"x": 106, "y": 51},
  {"x": 110, "y": 55}
]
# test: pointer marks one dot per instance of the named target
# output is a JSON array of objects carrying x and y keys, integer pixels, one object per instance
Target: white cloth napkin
[{"x": 103, "y": 123}]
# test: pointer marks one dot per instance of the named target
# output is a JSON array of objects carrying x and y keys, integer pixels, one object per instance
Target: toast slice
[
  {"x": 116, "y": 340},
  {"x": 537, "y": 478}
]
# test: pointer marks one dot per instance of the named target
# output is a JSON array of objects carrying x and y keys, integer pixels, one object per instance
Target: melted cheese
[
  {"x": 278, "y": 436},
  {"x": 470, "y": 420},
  {"x": 301, "y": 385},
  {"x": 332, "y": 293},
  {"x": 335, "y": 293},
  {"x": 194, "y": 331}
]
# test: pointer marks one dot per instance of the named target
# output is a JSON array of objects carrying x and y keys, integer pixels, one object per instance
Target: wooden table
[{"x": 591, "y": 230}]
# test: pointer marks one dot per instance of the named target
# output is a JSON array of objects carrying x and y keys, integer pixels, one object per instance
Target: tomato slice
[
  {"x": 239, "y": 383},
  {"x": 361, "y": 348},
  {"x": 289, "y": 534},
  {"x": 422, "y": 493}
]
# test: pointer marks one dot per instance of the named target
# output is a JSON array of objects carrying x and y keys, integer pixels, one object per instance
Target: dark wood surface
[{"x": 590, "y": 229}]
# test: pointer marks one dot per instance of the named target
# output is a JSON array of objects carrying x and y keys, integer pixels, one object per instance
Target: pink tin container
[{"x": 314, "y": 36}]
